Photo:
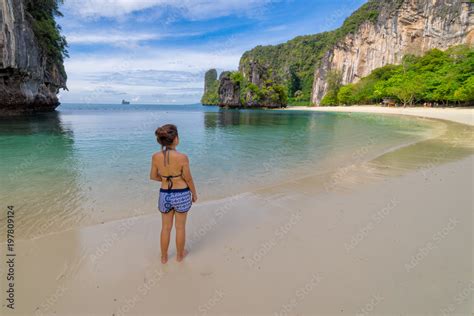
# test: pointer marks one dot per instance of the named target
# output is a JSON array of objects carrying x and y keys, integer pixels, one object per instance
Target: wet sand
[{"x": 388, "y": 236}]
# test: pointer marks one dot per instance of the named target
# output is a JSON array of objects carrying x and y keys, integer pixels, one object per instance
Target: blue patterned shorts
[{"x": 178, "y": 200}]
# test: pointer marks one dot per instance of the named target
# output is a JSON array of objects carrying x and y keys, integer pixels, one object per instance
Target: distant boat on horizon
[{"x": 125, "y": 102}]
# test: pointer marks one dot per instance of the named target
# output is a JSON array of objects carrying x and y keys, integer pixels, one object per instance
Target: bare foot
[
  {"x": 164, "y": 259},
  {"x": 180, "y": 257}
]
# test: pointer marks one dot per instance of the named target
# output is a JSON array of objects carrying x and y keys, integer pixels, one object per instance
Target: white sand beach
[
  {"x": 460, "y": 115},
  {"x": 355, "y": 241}
]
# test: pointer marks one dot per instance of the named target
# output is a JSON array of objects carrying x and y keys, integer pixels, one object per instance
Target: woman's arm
[
  {"x": 189, "y": 178},
  {"x": 154, "y": 170}
]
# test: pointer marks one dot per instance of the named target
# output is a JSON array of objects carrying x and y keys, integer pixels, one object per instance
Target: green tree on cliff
[
  {"x": 334, "y": 81},
  {"x": 47, "y": 31},
  {"x": 445, "y": 77}
]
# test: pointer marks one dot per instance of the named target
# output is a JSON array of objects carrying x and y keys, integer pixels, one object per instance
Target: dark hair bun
[{"x": 166, "y": 134}]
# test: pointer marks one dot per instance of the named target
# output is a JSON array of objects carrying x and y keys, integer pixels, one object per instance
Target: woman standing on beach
[{"x": 177, "y": 192}]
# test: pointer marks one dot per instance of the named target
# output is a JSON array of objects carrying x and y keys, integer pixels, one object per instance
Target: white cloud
[
  {"x": 194, "y": 9},
  {"x": 170, "y": 74},
  {"x": 109, "y": 8},
  {"x": 120, "y": 38},
  {"x": 164, "y": 60},
  {"x": 117, "y": 38}
]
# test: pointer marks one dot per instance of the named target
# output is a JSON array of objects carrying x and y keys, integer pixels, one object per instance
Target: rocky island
[
  {"x": 311, "y": 69},
  {"x": 253, "y": 86},
  {"x": 32, "y": 51}
]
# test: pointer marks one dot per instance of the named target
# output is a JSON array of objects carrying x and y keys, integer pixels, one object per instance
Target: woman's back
[{"x": 171, "y": 164}]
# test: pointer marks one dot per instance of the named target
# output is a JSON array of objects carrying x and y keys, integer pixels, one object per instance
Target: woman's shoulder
[
  {"x": 156, "y": 155},
  {"x": 182, "y": 156}
]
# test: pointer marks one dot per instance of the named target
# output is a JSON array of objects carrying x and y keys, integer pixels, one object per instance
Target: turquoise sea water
[{"x": 87, "y": 164}]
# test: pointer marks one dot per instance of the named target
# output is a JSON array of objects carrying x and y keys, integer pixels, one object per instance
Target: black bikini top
[{"x": 166, "y": 157}]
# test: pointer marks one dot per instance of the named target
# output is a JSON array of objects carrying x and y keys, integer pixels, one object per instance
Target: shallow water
[{"x": 88, "y": 164}]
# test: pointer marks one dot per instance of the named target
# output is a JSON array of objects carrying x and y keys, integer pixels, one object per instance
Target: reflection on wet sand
[
  {"x": 455, "y": 143},
  {"x": 451, "y": 142}
]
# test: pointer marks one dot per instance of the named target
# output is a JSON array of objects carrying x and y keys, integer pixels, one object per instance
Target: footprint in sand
[{"x": 206, "y": 274}]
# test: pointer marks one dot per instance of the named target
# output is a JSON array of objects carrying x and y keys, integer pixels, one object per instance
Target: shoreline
[{"x": 458, "y": 115}]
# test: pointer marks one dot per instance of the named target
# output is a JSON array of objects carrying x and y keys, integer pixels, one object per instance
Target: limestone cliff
[
  {"x": 401, "y": 27},
  {"x": 29, "y": 78}
]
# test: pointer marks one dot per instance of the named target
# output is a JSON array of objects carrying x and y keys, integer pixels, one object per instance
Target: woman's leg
[
  {"x": 166, "y": 226},
  {"x": 180, "y": 225}
]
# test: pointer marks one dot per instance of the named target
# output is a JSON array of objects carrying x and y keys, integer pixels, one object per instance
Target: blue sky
[{"x": 156, "y": 51}]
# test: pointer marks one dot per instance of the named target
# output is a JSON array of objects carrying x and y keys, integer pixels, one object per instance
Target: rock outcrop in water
[
  {"x": 251, "y": 87},
  {"x": 402, "y": 27},
  {"x": 229, "y": 91},
  {"x": 29, "y": 78},
  {"x": 211, "y": 86}
]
